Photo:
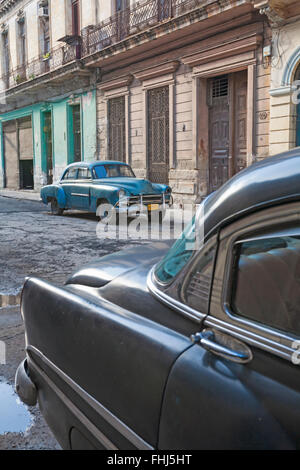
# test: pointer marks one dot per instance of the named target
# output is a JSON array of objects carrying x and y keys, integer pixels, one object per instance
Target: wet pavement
[
  {"x": 35, "y": 243},
  {"x": 15, "y": 417}
]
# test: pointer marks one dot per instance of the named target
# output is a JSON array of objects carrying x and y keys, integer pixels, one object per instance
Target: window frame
[
  {"x": 172, "y": 293},
  {"x": 221, "y": 317},
  {"x": 87, "y": 178},
  {"x": 234, "y": 268},
  {"x": 71, "y": 179}
]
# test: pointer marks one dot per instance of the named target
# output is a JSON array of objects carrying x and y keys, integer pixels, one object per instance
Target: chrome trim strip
[
  {"x": 75, "y": 410},
  {"x": 115, "y": 422},
  {"x": 175, "y": 304},
  {"x": 250, "y": 338},
  {"x": 79, "y": 194}
]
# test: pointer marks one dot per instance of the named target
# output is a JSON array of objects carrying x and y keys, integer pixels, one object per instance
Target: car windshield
[
  {"x": 113, "y": 171},
  {"x": 178, "y": 255}
]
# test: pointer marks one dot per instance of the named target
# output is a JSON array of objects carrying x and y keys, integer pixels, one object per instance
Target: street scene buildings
[{"x": 189, "y": 92}]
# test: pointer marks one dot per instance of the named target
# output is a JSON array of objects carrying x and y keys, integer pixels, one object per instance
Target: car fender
[
  {"x": 161, "y": 187},
  {"x": 110, "y": 193},
  {"x": 54, "y": 191}
]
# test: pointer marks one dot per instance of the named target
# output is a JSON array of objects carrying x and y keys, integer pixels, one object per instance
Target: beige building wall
[
  {"x": 88, "y": 12},
  {"x": 189, "y": 159},
  {"x": 32, "y": 30},
  {"x": 104, "y": 9},
  {"x": 286, "y": 58},
  {"x": 58, "y": 21}
]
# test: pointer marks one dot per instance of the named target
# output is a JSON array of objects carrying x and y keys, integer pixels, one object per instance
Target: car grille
[{"x": 147, "y": 199}]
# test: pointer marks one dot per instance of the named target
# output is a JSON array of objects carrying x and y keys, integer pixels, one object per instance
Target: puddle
[{"x": 14, "y": 416}]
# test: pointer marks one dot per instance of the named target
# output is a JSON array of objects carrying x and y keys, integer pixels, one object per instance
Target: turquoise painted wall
[{"x": 61, "y": 132}]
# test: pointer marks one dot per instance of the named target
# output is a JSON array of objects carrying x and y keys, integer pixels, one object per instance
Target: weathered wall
[
  {"x": 89, "y": 126},
  {"x": 286, "y": 58},
  {"x": 189, "y": 164}
]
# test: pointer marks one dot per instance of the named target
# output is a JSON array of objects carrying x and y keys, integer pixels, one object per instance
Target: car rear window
[{"x": 113, "y": 171}]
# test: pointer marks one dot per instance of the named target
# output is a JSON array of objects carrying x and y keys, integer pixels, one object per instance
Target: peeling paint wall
[
  {"x": 60, "y": 134},
  {"x": 89, "y": 126}
]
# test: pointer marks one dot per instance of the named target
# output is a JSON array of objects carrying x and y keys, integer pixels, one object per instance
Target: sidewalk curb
[{"x": 20, "y": 197}]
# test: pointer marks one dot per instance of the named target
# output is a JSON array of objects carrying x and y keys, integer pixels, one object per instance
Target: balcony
[
  {"x": 131, "y": 21},
  {"x": 50, "y": 62},
  {"x": 123, "y": 25}
]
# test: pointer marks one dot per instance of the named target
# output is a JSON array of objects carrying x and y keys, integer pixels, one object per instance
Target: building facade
[
  {"x": 47, "y": 101},
  {"x": 284, "y": 19},
  {"x": 189, "y": 92},
  {"x": 184, "y": 92}
]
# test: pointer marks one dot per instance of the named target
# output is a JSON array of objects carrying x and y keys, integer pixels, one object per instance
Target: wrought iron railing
[
  {"x": 49, "y": 62},
  {"x": 133, "y": 20},
  {"x": 123, "y": 24}
]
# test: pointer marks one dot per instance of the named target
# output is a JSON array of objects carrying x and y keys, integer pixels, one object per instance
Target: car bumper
[
  {"x": 24, "y": 386},
  {"x": 136, "y": 209}
]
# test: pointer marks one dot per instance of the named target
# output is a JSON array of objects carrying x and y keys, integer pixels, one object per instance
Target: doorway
[
  {"x": 116, "y": 129},
  {"x": 227, "y": 101},
  {"x": 75, "y": 134},
  {"x": 48, "y": 146},
  {"x": 25, "y": 147},
  {"x": 158, "y": 135}
]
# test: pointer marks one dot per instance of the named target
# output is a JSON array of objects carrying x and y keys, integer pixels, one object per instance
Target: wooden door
[
  {"x": 219, "y": 131},
  {"x": 158, "y": 135},
  {"x": 240, "y": 125},
  {"x": 48, "y": 146},
  {"x": 117, "y": 129},
  {"x": 11, "y": 158},
  {"x": 76, "y": 120}
]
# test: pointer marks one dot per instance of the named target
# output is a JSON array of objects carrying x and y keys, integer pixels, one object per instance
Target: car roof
[
  {"x": 270, "y": 182},
  {"x": 93, "y": 164}
]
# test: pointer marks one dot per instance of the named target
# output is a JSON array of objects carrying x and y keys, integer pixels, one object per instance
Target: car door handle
[{"x": 223, "y": 345}]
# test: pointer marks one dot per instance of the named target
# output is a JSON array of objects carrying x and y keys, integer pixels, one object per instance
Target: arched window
[{"x": 297, "y": 77}]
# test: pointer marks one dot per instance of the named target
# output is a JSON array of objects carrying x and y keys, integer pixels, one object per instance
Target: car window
[
  {"x": 84, "y": 174},
  {"x": 177, "y": 256},
  {"x": 71, "y": 174},
  {"x": 198, "y": 284},
  {"x": 99, "y": 172},
  {"x": 117, "y": 171},
  {"x": 266, "y": 282}
]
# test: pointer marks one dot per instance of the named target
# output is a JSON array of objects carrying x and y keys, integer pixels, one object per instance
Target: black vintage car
[{"x": 172, "y": 348}]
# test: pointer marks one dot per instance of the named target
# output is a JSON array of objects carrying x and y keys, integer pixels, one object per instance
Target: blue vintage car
[{"x": 86, "y": 186}]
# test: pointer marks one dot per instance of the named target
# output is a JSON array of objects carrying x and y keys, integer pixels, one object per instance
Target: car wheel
[{"x": 55, "y": 209}]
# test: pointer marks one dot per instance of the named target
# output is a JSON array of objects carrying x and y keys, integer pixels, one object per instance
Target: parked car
[
  {"x": 85, "y": 186},
  {"x": 160, "y": 347}
]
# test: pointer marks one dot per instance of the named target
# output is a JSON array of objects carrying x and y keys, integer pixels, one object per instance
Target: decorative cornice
[
  {"x": 275, "y": 16},
  {"x": 120, "y": 82},
  {"x": 238, "y": 46},
  {"x": 6, "y": 5},
  {"x": 157, "y": 71}
]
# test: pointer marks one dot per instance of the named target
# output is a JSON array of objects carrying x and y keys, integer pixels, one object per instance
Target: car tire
[{"x": 55, "y": 209}]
